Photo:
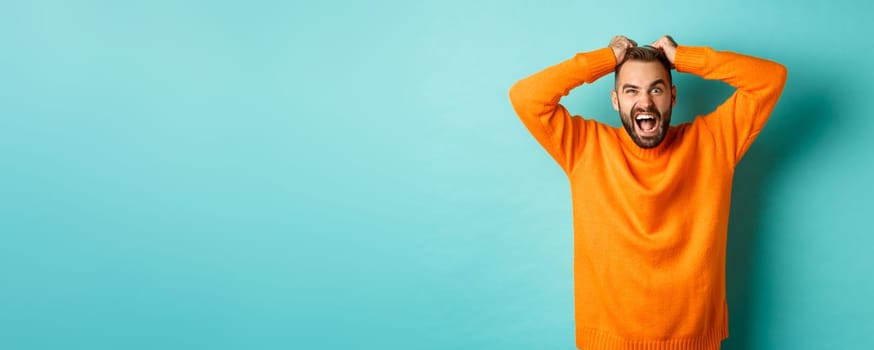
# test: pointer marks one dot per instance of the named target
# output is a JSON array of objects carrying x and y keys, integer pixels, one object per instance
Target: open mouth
[{"x": 646, "y": 124}]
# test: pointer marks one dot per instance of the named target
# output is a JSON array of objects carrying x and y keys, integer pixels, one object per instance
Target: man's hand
[
  {"x": 668, "y": 46},
  {"x": 619, "y": 44}
]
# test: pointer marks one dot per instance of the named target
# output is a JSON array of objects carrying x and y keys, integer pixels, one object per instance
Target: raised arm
[
  {"x": 759, "y": 83},
  {"x": 536, "y": 99}
]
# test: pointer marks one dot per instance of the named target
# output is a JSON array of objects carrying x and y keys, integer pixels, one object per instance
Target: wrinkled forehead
[{"x": 642, "y": 74}]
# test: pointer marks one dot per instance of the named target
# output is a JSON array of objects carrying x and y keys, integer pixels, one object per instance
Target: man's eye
[
  {"x": 631, "y": 92},
  {"x": 657, "y": 90}
]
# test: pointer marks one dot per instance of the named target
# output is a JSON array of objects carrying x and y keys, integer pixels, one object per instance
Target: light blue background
[{"x": 332, "y": 175}]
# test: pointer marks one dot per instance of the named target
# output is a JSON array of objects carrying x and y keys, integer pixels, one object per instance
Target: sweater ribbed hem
[
  {"x": 591, "y": 339},
  {"x": 598, "y": 63},
  {"x": 692, "y": 59}
]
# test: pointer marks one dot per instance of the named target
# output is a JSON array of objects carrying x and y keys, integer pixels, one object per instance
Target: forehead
[{"x": 641, "y": 73}]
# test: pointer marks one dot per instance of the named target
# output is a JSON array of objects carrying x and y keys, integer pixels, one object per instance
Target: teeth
[{"x": 645, "y": 117}]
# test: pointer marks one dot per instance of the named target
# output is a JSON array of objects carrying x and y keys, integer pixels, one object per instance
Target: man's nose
[{"x": 645, "y": 100}]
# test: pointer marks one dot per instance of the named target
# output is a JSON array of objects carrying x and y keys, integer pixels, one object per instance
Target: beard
[{"x": 646, "y": 141}]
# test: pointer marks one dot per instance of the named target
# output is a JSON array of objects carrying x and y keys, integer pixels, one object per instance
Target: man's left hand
[{"x": 668, "y": 45}]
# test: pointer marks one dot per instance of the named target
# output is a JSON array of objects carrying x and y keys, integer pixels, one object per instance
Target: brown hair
[{"x": 645, "y": 54}]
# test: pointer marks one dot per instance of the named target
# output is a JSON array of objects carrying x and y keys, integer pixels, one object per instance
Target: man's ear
[
  {"x": 673, "y": 95},
  {"x": 615, "y": 98}
]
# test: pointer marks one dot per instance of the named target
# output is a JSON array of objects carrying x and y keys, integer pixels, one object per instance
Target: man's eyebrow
[
  {"x": 659, "y": 81},
  {"x": 632, "y": 86}
]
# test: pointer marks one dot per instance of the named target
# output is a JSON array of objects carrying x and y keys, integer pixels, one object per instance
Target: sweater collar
[{"x": 646, "y": 153}]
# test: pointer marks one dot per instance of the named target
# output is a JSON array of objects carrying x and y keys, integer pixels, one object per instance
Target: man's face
[{"x": 644, "y": 98}]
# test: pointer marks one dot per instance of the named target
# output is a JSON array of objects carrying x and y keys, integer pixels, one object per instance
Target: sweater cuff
[
  {"x": 599, "y": 63},
  {"x": 691, "y": 59}
]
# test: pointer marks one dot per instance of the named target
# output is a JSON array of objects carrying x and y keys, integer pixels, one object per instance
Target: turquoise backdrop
[{"x": 338, "y": 175}]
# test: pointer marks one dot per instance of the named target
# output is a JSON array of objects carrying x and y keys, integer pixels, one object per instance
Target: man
[{"x": 650, "y": 200}]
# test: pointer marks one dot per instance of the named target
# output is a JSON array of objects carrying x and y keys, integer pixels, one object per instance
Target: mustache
[{"x": 650, "y": 110}]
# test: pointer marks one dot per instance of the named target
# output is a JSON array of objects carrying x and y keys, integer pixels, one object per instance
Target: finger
[{"x": 667, "y": 40}]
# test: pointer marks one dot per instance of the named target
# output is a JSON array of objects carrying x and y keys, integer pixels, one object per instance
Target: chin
[{"x": 649, "y": 142}]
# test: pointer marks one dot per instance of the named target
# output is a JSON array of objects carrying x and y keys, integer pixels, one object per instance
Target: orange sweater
[{"x": 650, "y": 224}]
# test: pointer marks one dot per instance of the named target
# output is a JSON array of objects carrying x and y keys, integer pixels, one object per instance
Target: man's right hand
[{"x": 619, "y": 44}]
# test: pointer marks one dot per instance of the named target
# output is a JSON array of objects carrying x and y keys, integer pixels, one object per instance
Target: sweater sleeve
[
  {"x": 536, "y": 101},
  {"x": 759, "y": 82}
]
